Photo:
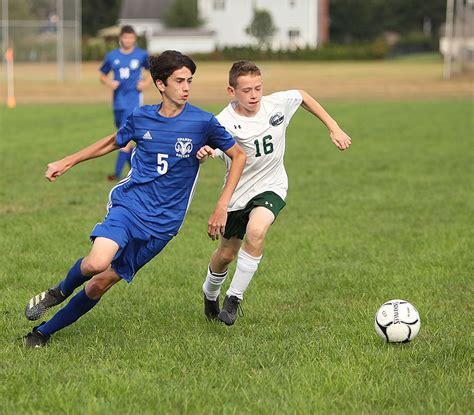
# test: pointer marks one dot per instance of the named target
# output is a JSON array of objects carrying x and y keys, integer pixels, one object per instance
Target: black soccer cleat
[
  {"x": 231, "y": 306},
  {"x": 35, "y": 339},
  {"x": 211, "y": 308},
  {"x": 41, "y": 303}
]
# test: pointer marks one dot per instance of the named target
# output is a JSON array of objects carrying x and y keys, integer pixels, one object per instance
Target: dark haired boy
[{"x": 147, "y": 208}]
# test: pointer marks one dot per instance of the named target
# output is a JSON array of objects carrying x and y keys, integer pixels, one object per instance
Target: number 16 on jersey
[{"x": 267, "y": 146}]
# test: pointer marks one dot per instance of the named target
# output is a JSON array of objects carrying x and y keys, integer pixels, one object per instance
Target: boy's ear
[
  {"x": 231, "y": 91},
  {"x": 160, "y": 85}
]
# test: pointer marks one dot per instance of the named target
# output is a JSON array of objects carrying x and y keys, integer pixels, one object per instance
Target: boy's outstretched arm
[
  {"x": 100, "y": 148},
  {"x": 338, "y": 136}
]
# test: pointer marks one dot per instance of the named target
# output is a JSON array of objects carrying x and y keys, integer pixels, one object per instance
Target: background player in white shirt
[{"x": 258, "y": 123}]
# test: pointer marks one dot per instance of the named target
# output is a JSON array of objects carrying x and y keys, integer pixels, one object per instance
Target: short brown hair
[{"x": 242, "y": 68}]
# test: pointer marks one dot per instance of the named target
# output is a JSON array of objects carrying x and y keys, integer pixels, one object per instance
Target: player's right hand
[
  {"x": 54, "y": 170},
  {"x": 114, "y": 84}
]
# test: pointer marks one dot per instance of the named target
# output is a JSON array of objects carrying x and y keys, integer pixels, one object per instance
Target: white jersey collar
[{"x": 258, "y": 116}]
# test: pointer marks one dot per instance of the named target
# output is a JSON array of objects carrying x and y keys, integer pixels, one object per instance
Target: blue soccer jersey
[
  {"x": 127, "y": 68},
  {"x": 159, "y": 188}
]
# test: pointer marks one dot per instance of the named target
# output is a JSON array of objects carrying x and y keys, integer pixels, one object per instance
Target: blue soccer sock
[
  {"x": 122, "y": 158},
  {"x": 74, "y": 279},
  {"x": 79, "y": 305}
]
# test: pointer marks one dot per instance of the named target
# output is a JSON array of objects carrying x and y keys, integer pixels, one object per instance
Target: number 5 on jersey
[
  {"x": 267, "y": 146},
  {"x": 162, "y": 163}
]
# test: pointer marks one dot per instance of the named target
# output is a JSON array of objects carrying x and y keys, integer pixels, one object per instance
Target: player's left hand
[
  {"x": 204, "y": 152},
  {"x": 141, "y": 85},
  {"x": 216, "y": 223},
  {"x": 340, "y": 139}
]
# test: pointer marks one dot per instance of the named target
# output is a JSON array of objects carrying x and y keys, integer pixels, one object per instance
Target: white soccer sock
[
  {"x": 246, "y": 266},
  {"x": 213, "y": 283}
]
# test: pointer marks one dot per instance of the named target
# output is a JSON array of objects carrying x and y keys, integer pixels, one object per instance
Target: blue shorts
[
  {"x": 120, "y": 117},
  {"x": 137, "y": 247}
]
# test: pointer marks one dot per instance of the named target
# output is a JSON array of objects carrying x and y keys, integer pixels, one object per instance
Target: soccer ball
[{"x": 397, "y": 321}]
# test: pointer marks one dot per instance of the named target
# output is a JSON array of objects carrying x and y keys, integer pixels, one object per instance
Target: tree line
[{"x": 350, "y": 20}]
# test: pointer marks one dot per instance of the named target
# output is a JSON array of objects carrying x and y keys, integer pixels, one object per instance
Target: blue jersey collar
[{"x": 161, "y": 117}]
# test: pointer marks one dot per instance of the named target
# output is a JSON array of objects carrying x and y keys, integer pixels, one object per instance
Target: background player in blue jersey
[
  {"x": 146, "y": 209},
  {"x": 126, "y": 63}
]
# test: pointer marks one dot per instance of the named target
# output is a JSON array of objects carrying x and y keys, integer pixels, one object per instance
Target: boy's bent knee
[
  {"x": 97, "y": 287},
  {"x": 226, "y": 255},
  {"x": 94, "y": 266},
  {"x": 256, "y": 235}
]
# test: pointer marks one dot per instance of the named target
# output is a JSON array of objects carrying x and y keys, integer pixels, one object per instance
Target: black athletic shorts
[{"x": 237, "y": 220}]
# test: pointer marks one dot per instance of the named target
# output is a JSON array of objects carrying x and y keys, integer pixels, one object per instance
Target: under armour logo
[{"x": 238, "y": 126}]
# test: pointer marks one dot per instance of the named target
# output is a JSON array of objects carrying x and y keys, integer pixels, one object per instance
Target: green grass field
[{"x": 390, "y": 218}]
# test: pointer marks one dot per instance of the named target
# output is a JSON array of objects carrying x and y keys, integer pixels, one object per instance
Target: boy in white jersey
[{"x": 258, "y": 123}]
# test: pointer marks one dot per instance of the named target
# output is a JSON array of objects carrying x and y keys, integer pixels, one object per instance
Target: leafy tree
[
  {"x": 262, "y": 27},
  {"x": 99, "y": 14},
  {"x": 183, "y": 13},
  {"x": 19, "y": 10},
  {"x": 354, "y": 20},
  {"x": 95, "y": 14},
  {"x": 43, "y": 8},
  {"x": 408, "y": 15}
]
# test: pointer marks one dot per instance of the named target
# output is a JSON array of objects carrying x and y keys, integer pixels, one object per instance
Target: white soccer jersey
[{"x": 263, "y": 139}]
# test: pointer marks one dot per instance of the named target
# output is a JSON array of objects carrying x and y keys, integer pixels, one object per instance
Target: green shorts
[{"x": 237, "y": 220}]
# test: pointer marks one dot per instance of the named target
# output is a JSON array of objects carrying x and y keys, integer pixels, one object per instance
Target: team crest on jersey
[
  {"x": 183, "y": 147},
  {"x": 277, "y": 119},
  {"x": 134, "y": 64},
  {"x": 117, "y": 62}
]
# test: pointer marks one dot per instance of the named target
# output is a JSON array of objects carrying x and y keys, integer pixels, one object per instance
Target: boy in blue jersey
[
  {"x": 126, "y": 63},
  {"x": 146, "y": 209}
]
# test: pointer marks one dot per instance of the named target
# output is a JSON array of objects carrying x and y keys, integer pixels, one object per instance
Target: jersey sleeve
[
  {"x": 291, "y": 100},
  {"x": 218, "y": 136},
  {"x": 106, "y": 66},
  {"x": 126, "y": 133}
]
